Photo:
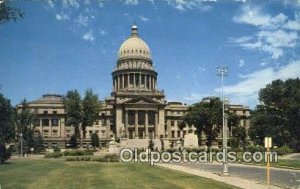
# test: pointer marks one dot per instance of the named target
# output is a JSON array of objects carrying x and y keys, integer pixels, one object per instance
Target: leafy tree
[
  {"x": 39, "y": 143},
  {"x": 278, "y": 115},
  {"x": 95, "y": 140},
  {"x": 73, "y": 110},
  {"x": 6, "y": 127},
  {"x": 206, "y": 116},
  {"x": 90, "y": 107},
  {"x": 8, "y": 13},
  {"x": 73, "y": 142},
  {"x": 24, "y": 123},
  {"x": 238, "y": 138}
]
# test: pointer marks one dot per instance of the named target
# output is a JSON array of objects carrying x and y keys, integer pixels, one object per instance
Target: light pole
[
  {"x": 21, "y": 135},
  {"x": 222, "y": 71}
]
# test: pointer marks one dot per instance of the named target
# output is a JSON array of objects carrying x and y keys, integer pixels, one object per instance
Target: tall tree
[
  {"x": 206, "y": 116},
  {"x": 72, "y": 103},
  {"x": 39, "y": 143},
  {"x": 95, "y": 140},
  {"x": 279, "y": 113},
  {"x": 24, "y": 123},
  {"x": 90, "y": 107},
  {"x": 6, "y": 127},
  {"x": 8, "y": 13}
]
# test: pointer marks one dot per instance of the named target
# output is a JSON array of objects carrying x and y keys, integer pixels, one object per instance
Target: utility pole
[
  {"x": 21, "y": 135},
  {"x": 222, "y": 71}
]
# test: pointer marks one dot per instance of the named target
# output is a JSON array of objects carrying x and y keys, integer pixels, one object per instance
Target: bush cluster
[
  {"x": 195, "y": 149},
  {"x": 282, "y": 150},
  {"x": 78, "y": 153},
  {"x": 53, "y": 155},
  {"x": 253, "y": 149},
  {"x": 105, "y": 158}
]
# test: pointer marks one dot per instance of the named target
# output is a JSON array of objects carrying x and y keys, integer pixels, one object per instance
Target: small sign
[{"x": 268, "y": 142}]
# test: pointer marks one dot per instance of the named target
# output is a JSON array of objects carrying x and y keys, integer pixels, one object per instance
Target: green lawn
[{"x": 62, "y": 174}]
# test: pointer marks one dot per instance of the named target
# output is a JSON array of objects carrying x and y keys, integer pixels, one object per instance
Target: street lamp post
[
  {"x": 21, "y": 135},
  {"x": 222, "y": 71}
]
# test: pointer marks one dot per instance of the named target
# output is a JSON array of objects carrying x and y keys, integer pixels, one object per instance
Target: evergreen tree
[
  {"x": 24, "y": 123},
  {"x": 95, "y": 140},
  {"x": 7, "y": 131}
]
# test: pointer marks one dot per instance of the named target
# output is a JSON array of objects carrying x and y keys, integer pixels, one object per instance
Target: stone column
[
  {"x": 153, "y": 83},
  {"x": 114, "y": 84},
  {"x": 146, "y": 125},
  {"x": 134, "y": 80},
  {"x": 145, "y": 84},
  {"x": 150, "y": 83},
  {"x": 126, "y": 124},
  {"x": 128, "y": 80},
  {"x": 123, "y": 81},
  {"x": 136, "y": 128},
  {"x": 156, "y": 125},
  {"x": 119, "y": 83}
]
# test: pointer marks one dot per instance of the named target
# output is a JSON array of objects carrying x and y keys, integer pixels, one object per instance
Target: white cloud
[
  {"x": 83, "y": 20},
  {"x": 142, "y": 18},
  {"x": 71, "y": 4},
  {"x": 190, "y": 4},
  {"x": 201, "y": 69},
  {"x": 252, "y": 16},
  {"x": 89, "y": 36},
  {"x": 131, "y": 2},
  {"x": 277, "y": 34},
  {"x": 241, "y": 63},
  {"x": 103, "y": 32},
  {"x": 62, "y": 16},
  {"x": 247, "y": 89}
]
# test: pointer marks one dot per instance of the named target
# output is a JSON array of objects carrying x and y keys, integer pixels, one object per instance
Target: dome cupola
[{"x": 134, "y": 46}]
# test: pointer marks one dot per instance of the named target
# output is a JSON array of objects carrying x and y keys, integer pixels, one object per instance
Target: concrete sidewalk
[{"x": 235, "y": 181}]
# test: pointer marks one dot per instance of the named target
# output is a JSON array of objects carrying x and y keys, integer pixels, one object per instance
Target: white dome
[{"x": 134, "y": 46}]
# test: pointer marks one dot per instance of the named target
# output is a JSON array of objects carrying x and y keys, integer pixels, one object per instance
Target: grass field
[{"x": 37, "y": 174}]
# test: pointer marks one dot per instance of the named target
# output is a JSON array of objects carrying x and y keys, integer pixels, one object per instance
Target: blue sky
[{"x": 73, "y": 44}]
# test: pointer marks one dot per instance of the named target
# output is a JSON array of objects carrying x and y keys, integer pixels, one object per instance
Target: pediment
[{"x": 141, "y": 100}]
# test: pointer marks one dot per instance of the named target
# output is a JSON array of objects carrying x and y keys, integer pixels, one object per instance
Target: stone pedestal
[
  {"x": 113, "y": 147},
  {"x": 190, "y": 140}
]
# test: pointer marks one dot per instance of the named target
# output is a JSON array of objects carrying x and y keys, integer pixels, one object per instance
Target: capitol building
[{"x": 135, "y": 112}]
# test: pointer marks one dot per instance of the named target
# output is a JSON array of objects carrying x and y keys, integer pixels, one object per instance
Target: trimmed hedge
[
  {"x": 253, "y": 149},
  {"x": 78, "y": 153},
  {"x": 53, "y": 155},
  {"x": 105, "y": 158},
  {"x": 282, "y": 150}
]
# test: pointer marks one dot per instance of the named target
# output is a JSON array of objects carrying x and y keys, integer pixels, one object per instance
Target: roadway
[{"x": 280, "y": 177}]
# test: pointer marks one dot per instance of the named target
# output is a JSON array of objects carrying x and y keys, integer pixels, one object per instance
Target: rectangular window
[
  {"x": 45, "y": 122},
  {"x": 45, "y": 112},
  {"x": 54, "y": 122},
  {"x": 173, "y": 134},
  {"x": 54, "y": 112}
]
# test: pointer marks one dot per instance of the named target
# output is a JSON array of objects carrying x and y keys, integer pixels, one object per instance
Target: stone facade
[{"x": 135, "y": 112}]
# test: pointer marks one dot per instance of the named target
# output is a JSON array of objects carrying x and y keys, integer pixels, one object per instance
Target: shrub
[
  {"x": 282, "y": 150},
  {"x": 4, "y": 153},
  {"x": 78, "y": 153},
  {"x": 53, "y": 155},
  {"x": 112, "y": 158},
  {"x": 106, "y": 158},
  {"x": 195, "y": 149},
  {"x": 253, "y": 149},
  {"x": 56, "y": 149}
]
